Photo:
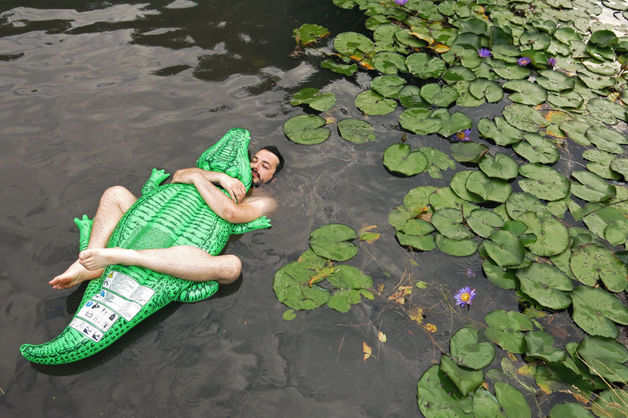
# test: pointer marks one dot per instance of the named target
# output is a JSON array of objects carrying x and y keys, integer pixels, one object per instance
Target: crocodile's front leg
[{"x": 155, "y": 179}]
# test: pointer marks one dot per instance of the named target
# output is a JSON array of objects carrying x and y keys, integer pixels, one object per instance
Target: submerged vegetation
[{"x": 550, "y": 233}]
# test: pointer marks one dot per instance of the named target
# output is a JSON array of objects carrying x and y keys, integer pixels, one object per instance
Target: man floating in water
[{"x": 184, "y": 262}]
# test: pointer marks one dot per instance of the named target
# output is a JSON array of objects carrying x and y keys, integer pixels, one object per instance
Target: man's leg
[
  {"x": 184, "y": 262},
  {"x": 114, "y": 202}
]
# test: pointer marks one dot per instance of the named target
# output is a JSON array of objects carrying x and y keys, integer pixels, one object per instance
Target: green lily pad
[
  {"x": 399, "y": 159},
  {"x": 606, "y": 68},
  {"x": 601, "y": 163},
  {"x": 501, "y": 166},
  {"x": 331, "y": 241},
  {"x": 422, "y": 66},
  {"x": 389, "y": 63},
  {"x": 544, "y": 182},
  {"x": 505, "y": 330},
  {"x": 576, "y": 130},
  {"x": 444, "y": 197},
  {"x": 505, "y": 248},
  {"x": 555, "y": 81},
  {"x": 351, "y": 43},
  {"x": 606, "y": 111},
  {"x": 568, "y": 100},
  {"x": 468, "y": 151},
  {"x": 458, "y": 73},
  {"x": 566, "y": 35},
  {"x": 570, "y": 410},
  {"x": 351, "y": 282},
  {"x": 405, "y": 37},
  {"x": 437, "y": 393},
  {"x": 458, "y": 185},
  {"x": 462, "y": 248},
  {"x": 485, "y": 404},
  {"x": 552, "y": 236},
  {"x": 620, "y": 165},
  {"x": 604, "y": 38},
  {"x": 470, "y": 59},
  {"x": 468, "y": 351},
  {"x": 410, "y": 97},
  {"x": 541, "y": 345},
  {"x": 420, "y": 121},
  {"x": 356, "y": 131},
  {"x": 373, "y": 103},
  {"x": 345, "y": 69},
  {"x": 399, "y": 217},
  {"x": 388, "y": 85},
  {"x": 499, "y": 276},
  {"x": 484, "y": 222},
  {"x": 309, "y": 33},
  {"x": 495, "y": 190},
  {"x": 606, "y": 139},
  {"x": 311, "y": 97},
  {"x": 483, "y": 88},
  {"x": 524, "y": 118},
  {"x": 605, "y": 357},
  {"x": 527, "y": 93},
  {"x": 545, "y": 284},
  {"x": 512, "y": 401},
  {"x": 591, "y": 263},
  {"x": 442, "y": 97},
  {"x": 448, "y": 222},
  {"x": 437, "y": 161},
  {"x": 596, "y": 311},
  {"x": 465, "y": 380},
  {"x": 417, "y": 227},
  {"x": 306, "y": 129},
  {"x": 591, "y": 187},
  {"x": 421, "y": 243},
  {"x": 510, "y": 71},
  {"x": 418, "y": 198},
  {"x": 452, "y": 123},
  {"x": 611, "y": 403},
  {"x": 500, "y": 131},
  {"x": 291, "y": 287},
  {"x": 537, "y": 149},
  {"x": 520, "y": 203}
]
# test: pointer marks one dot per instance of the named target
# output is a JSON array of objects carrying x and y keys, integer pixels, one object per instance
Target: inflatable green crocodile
[{"x": 165, "y": 216}]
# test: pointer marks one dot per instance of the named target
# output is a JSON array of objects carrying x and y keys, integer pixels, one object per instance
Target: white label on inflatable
[
  {"x": 127, "y": 287},
  {"x": 98, "y": 315},
  {"x": 126, "y": 308},
  {"x": 86, "y": 329}
]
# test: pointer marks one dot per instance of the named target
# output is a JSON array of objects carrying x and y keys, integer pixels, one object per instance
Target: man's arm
[{"x": 248, "y": 210}]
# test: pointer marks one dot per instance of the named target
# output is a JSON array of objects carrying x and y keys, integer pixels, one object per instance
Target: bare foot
[
  {"x": 74, "y": 275},
  {"x": 99, "y": 258}
]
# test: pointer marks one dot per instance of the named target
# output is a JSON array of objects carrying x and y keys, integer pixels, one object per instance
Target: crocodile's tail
[{"x": 68, "y": 347}]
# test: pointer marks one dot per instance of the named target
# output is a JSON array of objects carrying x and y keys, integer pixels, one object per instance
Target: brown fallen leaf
[
  {"x": 381, "y": 336},
  {"x": 416, "y": 314},
  {"x": 430, "y": 327},
  {"x": 367, "y": 350}
]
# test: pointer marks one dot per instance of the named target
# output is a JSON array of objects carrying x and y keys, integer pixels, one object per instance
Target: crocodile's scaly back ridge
[{"x": 165, "y": 216}]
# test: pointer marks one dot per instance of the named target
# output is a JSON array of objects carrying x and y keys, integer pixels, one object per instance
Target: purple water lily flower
[
  {"x": 470, "y": 273},
  {"x": 462, "y": 135},
  {"x": 401, "y": 2},
  {"x": 523, "y": 61},
  {"x": 464, "y": 296},
  {"x": 484, "y": 53},
  {"x": 551, "y": 62}
]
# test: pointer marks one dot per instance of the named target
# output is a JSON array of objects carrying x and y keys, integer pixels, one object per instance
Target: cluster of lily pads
[{"x": 564, "y": 73}]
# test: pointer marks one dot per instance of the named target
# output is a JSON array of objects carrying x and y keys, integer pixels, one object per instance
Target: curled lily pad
[
  {"x": 500, "y": 166},
  {"x": 306, "y": 129},
  {"x": 537, "y": 149},
  {"x": 345, "y": 69},
  {"x": 311, "y": 97},
  {"x": 596, "y": 311},
  {"x": 399, "y": 158},
  {"x": 605, "y": 357},
  {"x": 331, "y": 241},
  {"x": 373, "y": 103},
  {"x": 484, "y": 222},
  {"x": 350, "y": 43},
  {"x": 291, "y": 287},
  {"x": 527, "y": 93},
  {"x": 356, "y": 131},
  {"x": 387, "y": 85},
  {"x": 495, "y": 190},
  {"x": 505, "y": 248},
  {"x": 604, "y": 38},
  {"x": 591, "y": 263},
  {"x": 591, "y": 187},
  {"x": 620, "y": 165},
  {"x": 500, "y": 131},
  {"x": 461, "y": 248},
  {"x": 458, "y": 185},
  {"x": 442, "y": 97},
  {"x": 524, "y": 117},
  {"x": 546, "y": 284},
  {"x": 448, "y": 222},
  {"x": 420, "y": 121},
  {"x": 544, "y": 182}
]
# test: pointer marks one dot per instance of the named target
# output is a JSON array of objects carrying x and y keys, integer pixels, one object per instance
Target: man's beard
[{"x": 259, "y": 181}]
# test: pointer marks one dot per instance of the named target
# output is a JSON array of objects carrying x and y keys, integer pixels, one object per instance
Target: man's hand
[
  {"x": 187, "y": 175},
  {"x": 234, "y": 187}
]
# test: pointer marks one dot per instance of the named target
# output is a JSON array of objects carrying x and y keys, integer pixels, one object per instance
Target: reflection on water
[{"x": 94, "y": 94}]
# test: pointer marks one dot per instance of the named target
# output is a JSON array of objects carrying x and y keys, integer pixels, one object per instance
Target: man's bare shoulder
[{"x": 260, "y": 199}]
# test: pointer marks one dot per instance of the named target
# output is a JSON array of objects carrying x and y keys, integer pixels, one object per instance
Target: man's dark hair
[{"x": 273, "y": 149}]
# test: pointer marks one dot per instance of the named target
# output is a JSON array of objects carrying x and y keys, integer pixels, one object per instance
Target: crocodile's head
[{"x": 230, "y": 155}]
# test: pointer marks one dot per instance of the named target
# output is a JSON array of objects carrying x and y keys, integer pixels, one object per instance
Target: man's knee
[
  {"x": 232, "y": 269},
  {"x": 119, "y": 195}
]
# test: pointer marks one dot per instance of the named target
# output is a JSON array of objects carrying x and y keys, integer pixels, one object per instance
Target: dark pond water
[{"x": 94, "y": 94}]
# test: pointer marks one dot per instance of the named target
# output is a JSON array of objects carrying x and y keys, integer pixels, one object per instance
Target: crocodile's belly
[{"x": 173, "y": 214}]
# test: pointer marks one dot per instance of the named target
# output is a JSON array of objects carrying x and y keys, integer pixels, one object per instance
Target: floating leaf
[
  {"x": 350, "y": 43},
  {"x": 452, "y": 124},
  {"x": 437, "y": 393},
  {"x": 469, "y": 151},
  {"x": 501, "y": 166},
  {"x": 381, "y": 336},
  {"x": 482, "y": 88},
  {"x": 500, "y": 131},
  {"x": 418, "y": 198},
  {"x": 552, "y": 236},
  {"x": 389, "y": 63},
  {"x": 306, "y": 129},
  {"x": 611, "y": 403},
  {"x": 505, "y": 329},
  {"x": 366, "y": 349},
  {"x": 510, "y": 72},
  {"x": 421, "y": 243},
  {"x": 356, "y": 131},
  {"x": 422, "y": 66},
  {"x": 537, "y": 149},
  {"x": 456, "y": 248},
  {"x": 524, "y": 118},
  {"x": 291, "y": 287},
  {"x": 467, "y": 351},
  {"x": 410, "y": 97},
  {"x": 387, "y": 85},
  {"x": 570, "y": 409},
  {"x": 420, "y": 121},
  {"x": 591, "y": 187},
  {"x": 465, "y": 380},
  {"x": 399, "y": 159},
  {"x": 606, "y": 111},
  {"x": 448, "y": 222},
  {"x": 546, "y": 284},
  {"x": 620, "y": 165},
  {"x": 527, "y": 93},
  {"x": 544, "y": 182},
  {"x": 311, "y": 97},
  {"x": 541, "y": 345},
  {"x": 505, "y": 248},
  {"x": 555, "y": 81},
  {"x": 289, "y": 315},
  {"x": 373, "y": 103},
  {"x": 605, "y": 357},
  {"x": 606, "y": 139},
  {"x": 340, "y": 68},
  {"x": 495, "y": 190},
  {"x": 309, "y": 33},
  {"x": 596, "y": 311},
  {"x": 575, "y": 130},
  {"x": 331, "y": 241},
  {"x": 442, "y": 97},
  {"x": 484, "y": 222},
  {"x": 512, "y": 401},
  {"x": 500, "y": 276},
  {"x": 591, "y": 263},
  {"x": 437, "y": 161},
  {"x": 485, "y": 404},
  {"x": 604, "y": 38},
  {"x": 458, "y": 185},
  {"x": 520, "y": 203}
]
